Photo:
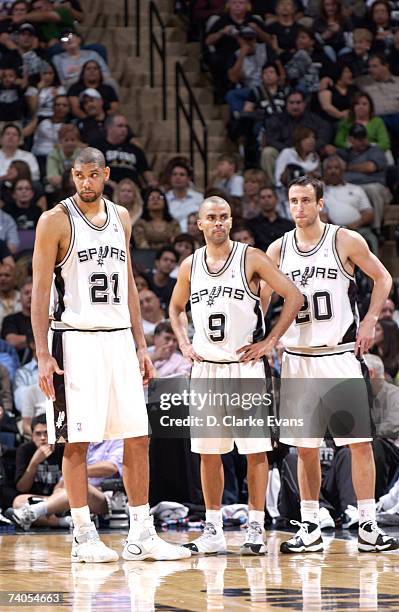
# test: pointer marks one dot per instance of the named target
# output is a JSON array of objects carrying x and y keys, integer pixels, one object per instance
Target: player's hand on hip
[
  {"x": 47, "y": 367},
  {"x": 189, "y": 353},
  {"x": 365, "y": 337},
  {"x": 147, "y": 370},
  {"x": 254, "y": 352}
]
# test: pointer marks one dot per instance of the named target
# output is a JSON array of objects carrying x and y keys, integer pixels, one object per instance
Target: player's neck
[
  {"x": 90, "y": 208},
  {"x": 310, "y": 234},
  {"x": 218, "y": 251}
]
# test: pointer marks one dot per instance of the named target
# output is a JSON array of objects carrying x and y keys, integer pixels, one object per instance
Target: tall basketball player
[
  {"x": 325, "y": 342},
  {"x": 222, "y": 282},
  {"x": 97, "y": 393}
]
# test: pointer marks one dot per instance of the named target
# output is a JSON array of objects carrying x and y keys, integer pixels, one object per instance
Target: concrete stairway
[{"x": 143, "y": 104}]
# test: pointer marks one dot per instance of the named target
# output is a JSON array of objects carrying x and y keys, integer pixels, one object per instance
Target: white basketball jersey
[
  {"x": 91, "y": 282},
  {"x": 226, "y": 314},
  {"x": 329, "y": 316}
]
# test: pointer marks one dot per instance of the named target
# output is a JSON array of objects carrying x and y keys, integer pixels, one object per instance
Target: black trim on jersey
[
  {"x": 244, "y": 274},
  {"x": 59, "y": 405},
  {"x": 85, "y": 219},
  {"x": 220, "y": 362},
  {"x": 283, "y": 246},
  {"x": 259, "y": 331},
  {"x": 59, "y": 285},
  {"x": 225, "y": 265},
  {"x": 318, "y": 354},
  {"x": 315, "y": 249},
  {"x": 338, "y": 259},
  {"x": 116, "y": 214},
  {"x": 72, "y": 239}
]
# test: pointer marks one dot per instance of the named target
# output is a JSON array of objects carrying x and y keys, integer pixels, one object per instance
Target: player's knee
[
  {"x": 308, "y": 453},
  {"x": 136, "y": 445},
  {"x": 208, "y": 459},
  {"x": 75, "y": 448},
  {"x": 361, "y": 449},
  {"x": 256, "y": 458}
]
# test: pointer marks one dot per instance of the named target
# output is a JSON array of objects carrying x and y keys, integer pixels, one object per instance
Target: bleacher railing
[
  {"x": 155, "y": 20},
  {"x": 187, "y": 108}
]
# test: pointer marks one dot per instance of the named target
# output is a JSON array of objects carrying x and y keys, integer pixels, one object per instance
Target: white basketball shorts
[
  {"x": 309, "y": 370},
  {"x": 219, "y": 446},
  {"x": 100, "y": 395}
]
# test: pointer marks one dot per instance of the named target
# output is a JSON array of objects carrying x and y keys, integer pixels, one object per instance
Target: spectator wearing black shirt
[
  {"x": 23, "y": 207},
  {"x": 222, "y": 40},
  {"x": 358, "y": 58},
  {"x": 92, "y": 127},
  {"x": 91, "y": 78},
  {"x": 279, "y": 130},
  {"x": 284, "y": 30},
  {"x": 17, "y": 327},
  {"x": 332, "y": 27},
  {"x": 125, "y": 159},
  {"x": 15, "y": 103},
  {"x": 160, "y": 281},
  {"x": 336, "y": 99},
  {"x": 268, "y": 226}
]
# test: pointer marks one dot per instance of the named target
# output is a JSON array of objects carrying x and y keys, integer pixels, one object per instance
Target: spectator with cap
[
  {"x": 62, "y": 155},
  {"x": 47, "y": 131},
  {"x": 244, "y": 68},
  {"x": 27, "y": 42},
  {"x": 10, "y": 138},
  {"x": 347, "y": 204},
  {"x": 125, "y": 159},
  {"x": 366, "y": 166},
  {"x": 167, "y": 360},
  {"x": 182, "y": 198},
  {"x": 51, "y": 20},
  {"x": 91, "y": 78},
  {"x": 279, "y": 130},
  {"x": 92, "y": 127},
  {"x": 69, "y": 64}
]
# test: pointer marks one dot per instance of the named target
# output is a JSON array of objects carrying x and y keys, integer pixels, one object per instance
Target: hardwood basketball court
[{"x": 338, "y": 579}]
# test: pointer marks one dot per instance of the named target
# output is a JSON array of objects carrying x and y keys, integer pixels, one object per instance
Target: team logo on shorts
[{"x": 60, "y": 419}]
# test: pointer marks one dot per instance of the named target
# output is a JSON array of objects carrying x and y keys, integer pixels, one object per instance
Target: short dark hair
[
  {"x": 269, "y": 188},
  {"x": 296, "y": 92},
  {"x": 271, "y": 65},
  {"x": 38, "y": 420},
  {"x": 380, "y": 56},
  {"x": 241, "y": 226},
  {"x": 304, "y": 181},
  {"x": 90, "y": 155},
  {"x": 185, "y": 238},
  {"x": 166, "y": 249},
  {"x": 11, "y": 125},
  {"x": 163, "y": 326}
]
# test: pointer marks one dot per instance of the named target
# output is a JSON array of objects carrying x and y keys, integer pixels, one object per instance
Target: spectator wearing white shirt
[
  {"x": 10, "y": 298},
  {"x": 167, "y": 361},
  {"x": 226, "y": 178},
  {"x": 302, "y": 157},
  {"x": 69, "y": 63},
  {"x": 28, "y": 398},
  {"x": 151, "y": 313},
  {"x": 10, "y": 139},
  {"x": 182, "y": 199},
  {"x": 9, "y": 231},
  {"x": 347, "y": 204}
]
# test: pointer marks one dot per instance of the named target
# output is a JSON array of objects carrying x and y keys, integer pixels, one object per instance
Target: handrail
[
  {"x": 138, "y": 23},
  {"x": 160, "y": 47},
  {"x": 193, "y": 112}
]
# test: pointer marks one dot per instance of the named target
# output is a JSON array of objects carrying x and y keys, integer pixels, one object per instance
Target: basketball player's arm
[
  {"x": 262, "y": 266},
  {"x": 50, "y": 229},
  {"x": 353, "y": 247},
  {"x": 146, "y": 368},
  {"x": 177, "y": 310}
]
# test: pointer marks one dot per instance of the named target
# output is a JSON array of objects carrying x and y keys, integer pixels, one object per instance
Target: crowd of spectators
[{"x": 312, "y": 88}]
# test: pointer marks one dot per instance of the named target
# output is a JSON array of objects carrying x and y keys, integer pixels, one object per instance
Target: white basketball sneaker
[
  {"x": 210, "y": 542},
  {"x": 307, "y": 539},
  {"x": 88, "y": 548},
  {"x": 373, "y": 539},
  {"x": 148, "y": 545},
  {"x": 255, "y": 540}
]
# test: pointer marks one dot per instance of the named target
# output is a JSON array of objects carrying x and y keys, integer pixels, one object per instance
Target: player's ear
[
  {"x": 106, "y": 173},
  {"x": 321, "y": 203}
]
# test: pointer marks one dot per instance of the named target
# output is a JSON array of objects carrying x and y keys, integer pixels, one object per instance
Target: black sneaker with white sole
[
  {"x": 307, "y": 539},
  {"x": 373, "y": 539}
]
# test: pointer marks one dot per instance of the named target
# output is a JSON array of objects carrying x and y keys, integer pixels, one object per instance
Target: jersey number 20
[
  {"x": 100, "y": 284},
  {"x": 318, "y": 304}
]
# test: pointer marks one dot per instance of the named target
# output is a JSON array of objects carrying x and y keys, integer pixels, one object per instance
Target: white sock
[
  {"x": 81, "y": 517},
  {"x": 137, "y": 516},
  {"x": 214, "y": 517},
  {"x": 366, "y": 509},
  {"x": 310, "y": 511},
  {"x": 39, "y": 509},
  {"x": 256, "y": 516}
]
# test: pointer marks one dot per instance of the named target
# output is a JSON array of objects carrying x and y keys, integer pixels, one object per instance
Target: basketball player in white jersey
[
  {"x": 222, "y": 280},
  {"x": 97, "y": 392},
  {"x": 326, "y": 342}
]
